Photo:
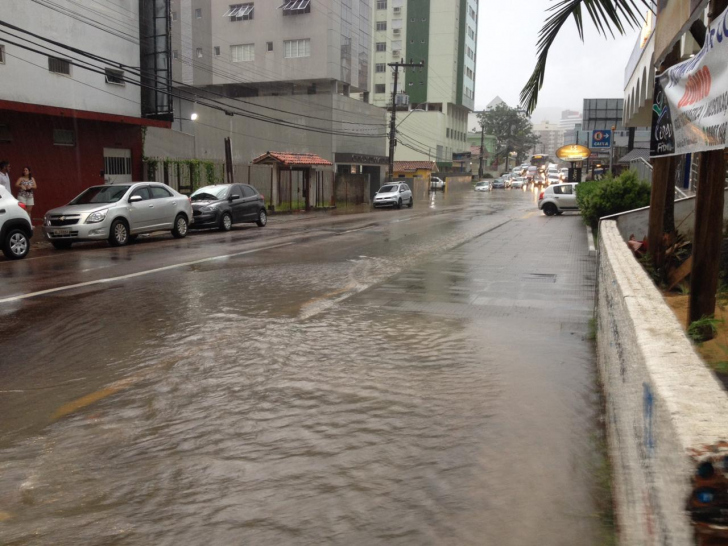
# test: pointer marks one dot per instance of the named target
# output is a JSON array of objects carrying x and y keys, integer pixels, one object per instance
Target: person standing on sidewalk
[
  {"x": 27, "y": 186},
  {"x": 5, "y": 176}
]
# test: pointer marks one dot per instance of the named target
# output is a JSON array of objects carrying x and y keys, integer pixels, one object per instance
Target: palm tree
[{"x": 606, "y": 15}]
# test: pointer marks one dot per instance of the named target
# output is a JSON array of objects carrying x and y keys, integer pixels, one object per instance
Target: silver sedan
[{"x": 118, "y": 213}]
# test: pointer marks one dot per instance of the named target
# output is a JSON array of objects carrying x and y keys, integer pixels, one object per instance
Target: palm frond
[{"x": 608, "y": 16}]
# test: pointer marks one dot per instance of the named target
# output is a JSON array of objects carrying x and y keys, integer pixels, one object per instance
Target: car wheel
[
  {"x": 61, "y": 245},
  {"x": 226, "y": 222},
  {"x": 262, "y": 218},
  {"x": 16, "y": 244},
  {"x": 180, "y": 227},
  {"x": 119, "y": 233},
  {"x": 549, "y": 209},
  {"x": 399, "y": 204},
  {"x": 412, "y": 202}
]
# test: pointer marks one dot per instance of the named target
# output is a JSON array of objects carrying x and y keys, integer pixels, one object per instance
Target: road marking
[
  {"x": 133, "y": 275},
  {"x": 529, "y": 215}
]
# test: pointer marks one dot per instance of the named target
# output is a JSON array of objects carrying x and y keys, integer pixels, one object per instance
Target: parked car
[
  {"x": 437, "y": 183},
  {"x": 483, "y": 185},
  {"x": 118, "y": 213},
  {"x": 519, "y": 182},
  {"x": 223, "y": 205},
  {"x": 394, "y": 194},
  {"x": 499, "y": 183},
  {"x": 557, "y": 199},
  {"x": 16, "y": 228}
]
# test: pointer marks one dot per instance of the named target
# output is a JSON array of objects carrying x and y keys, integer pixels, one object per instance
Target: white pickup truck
[{"x": 437, "y": 184}]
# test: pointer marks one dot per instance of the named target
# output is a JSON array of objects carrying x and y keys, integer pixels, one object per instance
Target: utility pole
[
  {"x": 611, "y": 149},
  {"x": 393, "y": 120},
  {"x": 482, "y": 150}
]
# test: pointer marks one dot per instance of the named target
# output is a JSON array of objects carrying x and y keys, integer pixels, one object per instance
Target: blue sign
[{"x": 602, "y": 138}]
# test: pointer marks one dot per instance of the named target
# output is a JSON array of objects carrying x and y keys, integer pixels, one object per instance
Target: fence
[
  {"x": 285, "y": 192},
  {"x": 351, "y": 189}
]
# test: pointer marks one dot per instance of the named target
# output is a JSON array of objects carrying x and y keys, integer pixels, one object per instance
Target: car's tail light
[
  {"x": 22, "y": 205},
  {"x": 540, "y": 196}
]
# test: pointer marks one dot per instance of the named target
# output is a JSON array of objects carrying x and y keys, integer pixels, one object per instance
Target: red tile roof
[
  {"x": 411, "y": 166},
  {"x": 291, "y": 159}
]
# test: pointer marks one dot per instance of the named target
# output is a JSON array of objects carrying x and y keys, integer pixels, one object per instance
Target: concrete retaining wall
[
  {"x": 666, "y": 411},
  {"x": 636, "y": 221}
]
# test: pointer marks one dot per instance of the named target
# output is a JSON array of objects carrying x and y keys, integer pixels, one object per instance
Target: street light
[{"x": 193, "y": 116}]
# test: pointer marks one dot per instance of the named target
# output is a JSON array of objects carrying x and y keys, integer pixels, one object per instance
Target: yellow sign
[{"x": 573, "y": 152}]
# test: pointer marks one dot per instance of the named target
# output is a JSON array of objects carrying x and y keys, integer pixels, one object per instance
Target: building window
[
  {"x": 174, "y": 16},
  {"x": 381, "y": 25},
  {"x": 175, "y": 54},
  {"x": 297, "y": 48},
  {"x": 114, "y": 76},
  {"x": 242, "y": 53},
  {"x": 240, "y": 12},
  {"x": 381, "y": 46},
  {"x": 472, "y": 12},
  {"x": 380, "y": 67},
  {"x": 5, "y": 134},
  {"x": 471, "y": 33},
  {"x": 199, "y": 52},
  {"x": 295, "y": 7},
  {"x": 64, "y": 137},
  {"x": 380, "y": 88},
  {"x": 198, "y": 13},
  {"x": 381, "y": 4},
  {"x": 217, "y": 51},
  {"x": 2, "y": 54},
  {"x": 269, "y": 46},
  {"x": 59, "y": 66}
]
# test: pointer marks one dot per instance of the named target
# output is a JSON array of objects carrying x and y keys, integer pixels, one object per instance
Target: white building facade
[{"x": 443, "y": 34}]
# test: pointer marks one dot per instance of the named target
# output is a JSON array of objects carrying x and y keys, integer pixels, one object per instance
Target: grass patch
[{"x": 704, "y": 328}]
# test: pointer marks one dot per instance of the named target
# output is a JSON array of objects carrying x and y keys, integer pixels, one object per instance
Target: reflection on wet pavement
[{"x": 426, "y": 382}]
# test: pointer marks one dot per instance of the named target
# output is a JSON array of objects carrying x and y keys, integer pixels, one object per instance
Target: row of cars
[{"x": 119, "y": 213}]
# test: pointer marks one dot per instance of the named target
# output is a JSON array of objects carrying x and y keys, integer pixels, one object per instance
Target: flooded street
[{"x": 416, "y": 376}]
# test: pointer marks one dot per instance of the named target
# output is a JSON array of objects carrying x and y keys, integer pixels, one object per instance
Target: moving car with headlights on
[
  {"x": 519, "y": 183},
  {"x": 394, "y": 194},
  {"x": 483, "y": 185},
  {"x": 118, "y": 213},
  {"x": 15, "y": 227},
  {"x": 222, "y": 205},
  {"x": 499, "y": 183},
  {"x": 558, "y": 198}
]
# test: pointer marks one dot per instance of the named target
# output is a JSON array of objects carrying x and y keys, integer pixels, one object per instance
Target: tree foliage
[
  {"x": 512, "y": 129},
  {"x": 607, "y": 16}
]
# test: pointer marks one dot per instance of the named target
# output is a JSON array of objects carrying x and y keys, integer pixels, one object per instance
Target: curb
[{"x": 590, "y": 241}]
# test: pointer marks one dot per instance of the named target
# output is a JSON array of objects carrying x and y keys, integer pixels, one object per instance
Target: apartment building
[
  {"x": 443, "y": 34},
  {"x": 302, "y": 62},
  {"x": 551, "y": 138}
]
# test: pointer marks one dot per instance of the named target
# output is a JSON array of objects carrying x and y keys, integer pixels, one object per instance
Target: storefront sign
[
  {"x": 690, "y": 110},
  {"x": 360, "y": 159},
  {"x": 573, "y": 152}
]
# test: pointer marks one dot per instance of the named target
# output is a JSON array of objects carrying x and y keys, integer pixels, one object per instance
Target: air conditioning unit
[
  {"x": 396, "y": 31},
  {"x": 397, "y": 11},
  {"x": 396, "y": 53}
]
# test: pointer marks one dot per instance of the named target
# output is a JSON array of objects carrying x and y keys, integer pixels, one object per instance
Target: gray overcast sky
[{"x": 507, "y": 35}]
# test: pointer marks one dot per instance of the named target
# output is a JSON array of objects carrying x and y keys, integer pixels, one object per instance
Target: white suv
[
  {"x": 15, "y": 227},
  {"x": 394, "y": 194},
  {"x": 437, "y": 183},
  {"x": 558, "y": 198}
]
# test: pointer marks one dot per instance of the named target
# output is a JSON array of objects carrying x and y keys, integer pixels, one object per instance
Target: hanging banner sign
[{"x": 690, "y": 109}]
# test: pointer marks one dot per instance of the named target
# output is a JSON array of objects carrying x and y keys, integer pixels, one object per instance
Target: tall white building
[
  {"x": 551, "y": 138},
  {"x": 443, "y": 34}
]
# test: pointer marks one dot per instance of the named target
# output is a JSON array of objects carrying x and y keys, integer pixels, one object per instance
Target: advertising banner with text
[{"x": 690, "y": 110}]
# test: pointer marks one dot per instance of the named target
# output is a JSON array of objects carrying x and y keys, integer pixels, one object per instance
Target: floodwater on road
[{"x": 425, "y": 379}]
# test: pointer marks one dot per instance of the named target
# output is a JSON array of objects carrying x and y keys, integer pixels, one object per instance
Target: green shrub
[{"x": 611, "y": 196}]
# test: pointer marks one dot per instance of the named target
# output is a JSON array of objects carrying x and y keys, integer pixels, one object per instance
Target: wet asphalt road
[{"x": 397, "y": 377}]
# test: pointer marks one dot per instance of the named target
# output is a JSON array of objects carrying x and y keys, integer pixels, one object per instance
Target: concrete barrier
[
  {"x": 667, "y": 414},
  {"x": 635, "y": 222}
]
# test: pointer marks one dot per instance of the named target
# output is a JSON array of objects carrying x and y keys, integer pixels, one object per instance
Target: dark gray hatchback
[{"x": 222, "y": 205}]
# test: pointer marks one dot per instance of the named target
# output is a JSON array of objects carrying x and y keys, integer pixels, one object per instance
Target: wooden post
[
  {"x": 708, "y": 224},
  {"x": 663, "y": 176}
]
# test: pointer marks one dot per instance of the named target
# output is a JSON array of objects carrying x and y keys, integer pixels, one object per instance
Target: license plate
[{"x": 59, "y": 232}]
